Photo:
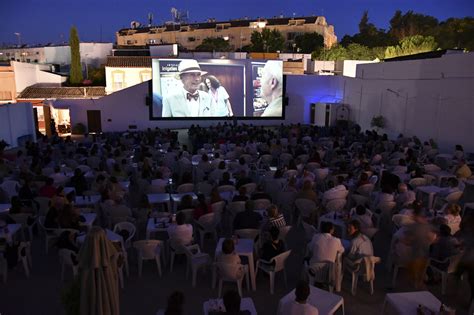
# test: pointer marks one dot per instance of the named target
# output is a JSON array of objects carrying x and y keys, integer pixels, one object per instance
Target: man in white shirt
[
  {"x": 58, "y": 177},
  {"x": 324, "y": 247},
  {"x": 188, "y": 101},
  {"x": 180, "y": 233},
  {"x": 299, "y": 306},
  {"x": 337, "y": 192},
  {"x": 361, "y": 245}
]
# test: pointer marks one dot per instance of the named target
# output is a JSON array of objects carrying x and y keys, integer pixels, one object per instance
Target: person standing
[{"x": 220, "y": 98}]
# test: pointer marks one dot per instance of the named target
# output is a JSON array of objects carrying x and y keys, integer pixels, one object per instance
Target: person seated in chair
[
  {"x": 300, "y": 305},
  {"x": 361, "y": 245},
  {"x": 242, "y": 196},
  {"x": 226, "y": 179},
  {"x": 273, "y": 247},
  {"x": 228, "y": 255},
  {"x": 180, "y": 232},
  {"x": 247, "y": 219},
  {"x": 324, "y": 246}
]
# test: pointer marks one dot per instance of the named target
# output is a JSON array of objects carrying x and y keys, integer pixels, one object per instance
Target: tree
[
  {"x": 75, "y": 73},
  {"x": 412, "y": 45},
  {"x": 309, "y": 42},
  {"x": 267, "y": 41},
  {"x": 456, "y": 33},
  {"x": 337, "y": 52},
  {"x": 214, "y": 44},
  {"x": 410, "y": 24},
  {"x": 359, "y": 52},
  {"x": 369, "y": 35},
  {"x": 97, "y": 75}
]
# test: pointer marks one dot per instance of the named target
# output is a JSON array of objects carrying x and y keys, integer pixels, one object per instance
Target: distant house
[{"x": 125, "y": 71}]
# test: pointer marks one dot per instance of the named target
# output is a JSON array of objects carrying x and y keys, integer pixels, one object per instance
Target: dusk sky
[{"x": 44, "y": 21}]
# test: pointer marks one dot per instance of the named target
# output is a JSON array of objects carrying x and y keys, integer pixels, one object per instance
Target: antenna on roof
[
  {"x": 135, "y": 24},
  {"x": 150, "y": 19}
]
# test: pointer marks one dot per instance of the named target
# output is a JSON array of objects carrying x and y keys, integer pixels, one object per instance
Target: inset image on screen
[{"x": 192, "y": 89}]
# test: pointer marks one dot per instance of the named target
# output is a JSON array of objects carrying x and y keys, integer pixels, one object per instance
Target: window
[
  {"x": 118, "y": 80},
  {"x": 37, "y": 52},
  {"x": 145, "y": 75},
  {"x": 191, "y": 39}
]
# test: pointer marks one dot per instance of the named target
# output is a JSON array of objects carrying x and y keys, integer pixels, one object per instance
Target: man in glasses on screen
[
  {"x": 272, "y": 88},
  {"x": 188, "y": 101}
]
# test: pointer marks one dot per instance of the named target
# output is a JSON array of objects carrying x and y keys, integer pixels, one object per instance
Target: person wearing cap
[
  {"x": 188, "y": 101},
  {"x": 272, "y": 88}
]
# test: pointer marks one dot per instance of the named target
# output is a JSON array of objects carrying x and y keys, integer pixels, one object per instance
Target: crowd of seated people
[{"x": 154, "y": 161}]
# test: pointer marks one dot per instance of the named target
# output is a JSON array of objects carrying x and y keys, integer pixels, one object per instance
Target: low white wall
[{"x": 431, "y": 98}]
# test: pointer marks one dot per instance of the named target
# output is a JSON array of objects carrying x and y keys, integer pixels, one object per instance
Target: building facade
[
  {"x": 92, "y": 54},
  {"x": 237, "y": 32},
  {"x": 125, "y": 71}
]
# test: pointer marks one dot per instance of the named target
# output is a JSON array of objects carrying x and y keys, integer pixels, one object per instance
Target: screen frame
[{"x": 149, "y": 103}]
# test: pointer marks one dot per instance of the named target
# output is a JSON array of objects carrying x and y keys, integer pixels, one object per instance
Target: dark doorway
[{"x": 94, "y": 123}]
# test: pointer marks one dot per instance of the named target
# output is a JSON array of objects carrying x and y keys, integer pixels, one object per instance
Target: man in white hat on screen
[{"x": 188, "y": 101}]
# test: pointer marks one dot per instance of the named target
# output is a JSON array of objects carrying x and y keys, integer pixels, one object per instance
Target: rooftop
[
  {"x": 208, "y": 25},
  {"x": 42, "y": 92},
  {"x": 128, "y": 61}
]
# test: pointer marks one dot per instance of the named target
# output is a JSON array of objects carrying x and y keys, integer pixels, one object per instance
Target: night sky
[{"x": 48, "y": 21}]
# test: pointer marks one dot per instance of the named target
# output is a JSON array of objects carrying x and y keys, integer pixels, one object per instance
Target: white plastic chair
[
  {"x": 336, "y": 205},
  {"x": 260, "y": 204},
  {"x": 130, "y": 228},
  {"x": 195, "y": 260},
  {"x": 232, "y": 273},
  {"x": 185, "y": 188},
  {"x": 415, "y": 182},
  {"x": 452, "y": 263},
  {"x": 66, "y": 259},
  {"x": 250, "y": 188},
  {"x": 273, "y": 266},
  {"x": 247, "y": 233},
  {"x": 50, "y": 234},
  {"x": 24, "y": 256},
  {"x": 359, "y": 268},
  {"x": 206, "y": 225},
  {"x": 148, "y": 250},
  {"x": 326, "y": 272}
]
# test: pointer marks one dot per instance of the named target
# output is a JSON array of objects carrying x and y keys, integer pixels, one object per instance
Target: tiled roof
[
  {"x": 34, "y": 92},
  {"x": 129, "y": 61}
]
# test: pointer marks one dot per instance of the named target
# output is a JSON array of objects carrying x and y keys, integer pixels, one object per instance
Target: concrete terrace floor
[{"x": 40, "y": 294}]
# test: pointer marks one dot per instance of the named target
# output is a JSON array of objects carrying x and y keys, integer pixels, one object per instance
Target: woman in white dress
[{"x": 220, "y": 97}]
